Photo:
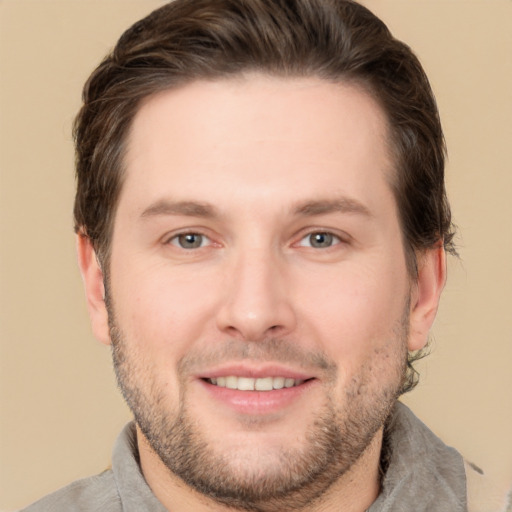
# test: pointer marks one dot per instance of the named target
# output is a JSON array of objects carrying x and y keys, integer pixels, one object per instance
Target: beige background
[{"x": 60, "y": 411}]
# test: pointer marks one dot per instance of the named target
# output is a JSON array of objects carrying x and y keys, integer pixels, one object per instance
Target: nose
[{"x": 257, "y": 301}]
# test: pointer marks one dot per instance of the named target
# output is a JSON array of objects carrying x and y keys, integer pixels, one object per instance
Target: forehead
[{"x": 257, "y": 134}]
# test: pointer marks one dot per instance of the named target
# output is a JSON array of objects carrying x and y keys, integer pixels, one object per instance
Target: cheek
[
  {"x": 166, "y": 311},
  {"x": 355, "y": 311}
]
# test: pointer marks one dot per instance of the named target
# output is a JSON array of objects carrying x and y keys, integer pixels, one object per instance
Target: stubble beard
[{"x": 334, "y": 441}]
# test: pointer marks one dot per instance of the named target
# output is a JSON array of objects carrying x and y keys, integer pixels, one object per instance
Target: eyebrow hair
[
  {"x": 206, "y": 210},
  {"x": 342, "y": 205},
  {"x": 187, "y": 208}
]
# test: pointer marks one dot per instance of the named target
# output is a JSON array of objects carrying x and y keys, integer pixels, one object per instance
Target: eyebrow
[
  {"x": 339, "y": 205},
  {"x": 164, "y": 207},
  {"x": 186, "y": 208}
]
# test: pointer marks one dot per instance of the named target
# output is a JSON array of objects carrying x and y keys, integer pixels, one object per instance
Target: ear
[
  {"x": 426, "y": 292},
  {"x": 92, "y": 276}
]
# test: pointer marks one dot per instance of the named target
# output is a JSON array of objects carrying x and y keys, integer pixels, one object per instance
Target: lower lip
[{"x": 257, "y": 402}]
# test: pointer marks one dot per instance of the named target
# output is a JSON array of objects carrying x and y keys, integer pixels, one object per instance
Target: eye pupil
[
  {"x": 321, "y": 240},
  {"x": 190, "y": 241}
]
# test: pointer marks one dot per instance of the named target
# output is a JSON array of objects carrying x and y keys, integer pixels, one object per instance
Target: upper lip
[{"x": 254, "y": 371}]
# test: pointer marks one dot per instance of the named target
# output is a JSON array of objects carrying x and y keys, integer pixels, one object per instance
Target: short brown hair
[{"x": 337, "y": 40}]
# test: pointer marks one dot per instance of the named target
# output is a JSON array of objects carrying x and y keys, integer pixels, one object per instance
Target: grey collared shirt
[{"x": 423, "y": 474}]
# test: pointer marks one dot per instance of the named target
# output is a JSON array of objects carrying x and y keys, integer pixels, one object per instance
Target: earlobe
[
  {"x": 426, "y": 295},
  {"x": 92, "y": 276}
]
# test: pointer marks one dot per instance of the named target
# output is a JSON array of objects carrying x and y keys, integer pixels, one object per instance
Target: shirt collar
[{"x": 422, "y": 473}]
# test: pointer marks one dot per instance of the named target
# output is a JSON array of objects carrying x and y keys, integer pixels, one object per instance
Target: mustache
[{"x": 271, "y": 349}]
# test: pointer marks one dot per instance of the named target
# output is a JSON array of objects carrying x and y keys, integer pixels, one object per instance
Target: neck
[{"x": 354, "y": 491}]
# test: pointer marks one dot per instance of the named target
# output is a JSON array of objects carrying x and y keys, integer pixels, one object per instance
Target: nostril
[{"x": 274, "y": 329}]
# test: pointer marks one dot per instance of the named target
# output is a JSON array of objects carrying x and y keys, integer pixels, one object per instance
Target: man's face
[{"x": 258, "y": 294}]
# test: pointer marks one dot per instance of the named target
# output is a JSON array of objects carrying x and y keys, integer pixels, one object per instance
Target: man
[{"x": 262, "y": 226}]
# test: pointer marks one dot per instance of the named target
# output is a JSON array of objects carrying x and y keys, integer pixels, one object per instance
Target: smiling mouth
[{"x": 253, "y": 384}]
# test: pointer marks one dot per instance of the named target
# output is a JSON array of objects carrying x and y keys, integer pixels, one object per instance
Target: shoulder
[
  {"x": 88, "y": 494},
  {"x": 481, "y": 491},
  {"x": 484, "y": 495}
]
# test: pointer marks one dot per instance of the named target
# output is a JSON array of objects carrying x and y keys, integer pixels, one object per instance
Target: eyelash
[
  {"x": 175, "y": 240},
  {"x": 331, "y": 238}
]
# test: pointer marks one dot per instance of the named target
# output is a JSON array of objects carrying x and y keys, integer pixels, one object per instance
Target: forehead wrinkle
[{"x": 186, "y": 208}]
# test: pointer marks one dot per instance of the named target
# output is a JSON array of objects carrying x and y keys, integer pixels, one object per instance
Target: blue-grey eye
[
  {"x": 189, "y": 240},
  {"x": 319, "y": 240}
]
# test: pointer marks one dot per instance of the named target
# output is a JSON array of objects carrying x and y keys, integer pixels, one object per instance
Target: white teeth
[
  {"x": 231, "y": 382},
  {"x": 278, "y": 382},
  {"x": 288, "y": 383},
  {"x": 245, "y": 383},
  {"x": 265, "y": 384},
  {"x": 250, "y": 384}
]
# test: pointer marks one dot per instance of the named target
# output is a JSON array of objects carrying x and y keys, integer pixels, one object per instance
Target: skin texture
[{"x": 257, "y": 235}]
